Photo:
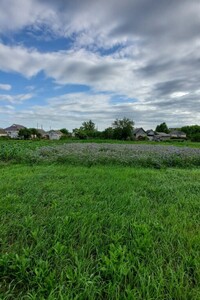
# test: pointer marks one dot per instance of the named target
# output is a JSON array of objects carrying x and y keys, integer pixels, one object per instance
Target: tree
[
  {"x": 28, "y": 133},
  {"x": 123, "y": 129},
  {"x": 35, "y": 133},
  {"x": 79, "y": 133},
  {"x": 24, "y": 133},
  {"x": 88, "y": 129},
  {"x": 88, "y": 126},
  {"x": 192, "y": 132},
  {"x": 64, "y": 131},
  {"x": 108, "y": 133},
  {"x": 162, "y": 128}
]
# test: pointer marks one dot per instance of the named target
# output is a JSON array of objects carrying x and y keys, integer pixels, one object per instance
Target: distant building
[
  {"x": 161, "y": 136},
  {"x": 178, "y": 134},
  {"x": 139, "y": 133},
  {"x": 42, "y": 133},
  {"x": 3, "y": 133},
  {"x": 13, "y": 130},
  {"x": 150, "y": 134},
  {"x": 54, "y": 134}
]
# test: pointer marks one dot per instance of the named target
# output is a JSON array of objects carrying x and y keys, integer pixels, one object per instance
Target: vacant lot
[
  {"x": 154, "y": 155},
  {"x": 99, "y": 232}
]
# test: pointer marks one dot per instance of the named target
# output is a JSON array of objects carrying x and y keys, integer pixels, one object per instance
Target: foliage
[
  {"x": 193, "y": 132},
  {"x": 123, "y": 129},
  {"x": 73, "y": 232},
  {"x": 162, "y": 128},
  {"x": 28, "y": 133},
  {"x": 87, "y": 130},
  {"x": 24, "y": 133},
  {"x": 64, "y": 131},
  {"x": 116, "y": 153},
  {"x": 108, "y": 133}
]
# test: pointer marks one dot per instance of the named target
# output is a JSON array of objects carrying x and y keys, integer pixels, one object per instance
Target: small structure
[
  {"x": 139, "y": 133},
  {"x": 42, "y": 133},
  {"x": 177, "y": 134},
  {"x": 13, "y": 130},
  {"x": 150, "y": 134},
  {"x": 54, "y": 134},
  {"x": 161, "y": 136},
  {"x": 3, "y": 133}
]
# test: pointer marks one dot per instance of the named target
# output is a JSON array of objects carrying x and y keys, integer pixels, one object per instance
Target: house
[
  {"x": 54, "y": 134},
  {"x": 177, "y": 134},
  {"x": 150, "y": 134},
  {"x": 3, "y": 133},
  {"x": 13, "y": 130},
  {"x": 161, "y": 136},
  {"x": 139, "y": 133},
  {"x": 42, "y": 133}
]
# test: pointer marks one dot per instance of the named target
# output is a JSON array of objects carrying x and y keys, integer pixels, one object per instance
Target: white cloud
[
  {"x": 16, "y": 99},
  {"x": 156, "y": 62},
  {"x": 5, "y": 87},
  {"x": 179, "y": 94}
]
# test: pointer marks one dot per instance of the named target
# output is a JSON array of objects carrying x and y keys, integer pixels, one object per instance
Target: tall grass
[
  {"x": 145, "y": 155},
  {"x": 73, "y": 232}
]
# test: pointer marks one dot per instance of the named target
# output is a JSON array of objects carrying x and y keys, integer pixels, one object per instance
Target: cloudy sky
[{"x": 67, "y": 61}]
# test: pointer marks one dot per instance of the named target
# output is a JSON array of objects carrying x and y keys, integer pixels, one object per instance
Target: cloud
[
  {"x": 146, "y": 50},
  {"x": 16, "y": 99},
  {"x": 5, "y": 87}
]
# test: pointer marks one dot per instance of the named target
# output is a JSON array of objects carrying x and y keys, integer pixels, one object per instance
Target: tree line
[{"x": 120, "y": 129}]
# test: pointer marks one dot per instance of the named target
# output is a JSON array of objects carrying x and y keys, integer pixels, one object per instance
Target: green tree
[
  {"x": 162, "y": 128},
  {"x": 108, "y": 133},
  {"x": 79, "y": 133},
  {"x": 24, "y": 133},
  {"x": 64, "y": 131},
  {"x": 192, "y": 132},
  {"x": 123, "y": 129},
  {"x": 88, "y": 128},
  {"x": 35, "y": 133}
]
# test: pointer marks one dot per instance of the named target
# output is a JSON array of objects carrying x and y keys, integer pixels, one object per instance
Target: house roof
[
  {"x": 41, "y": 131},
  {"x": 2, "y": 131},
  {"x": 150, "y": 132},
  {"x": 178, "y": 132},
  {"x": 162, "y": 134},
  {"x": 136, "y": 130},
  {"x": 14, "y": 127},
  {"x": 55, "y": 132}
]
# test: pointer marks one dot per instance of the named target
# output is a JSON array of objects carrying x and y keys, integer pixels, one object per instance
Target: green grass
[
  {"x": 155, "y": 155},
  {"x": 73, "y": 232}
]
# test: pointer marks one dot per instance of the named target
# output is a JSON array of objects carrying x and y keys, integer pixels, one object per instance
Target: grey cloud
[{"x": 165, "y": 35}]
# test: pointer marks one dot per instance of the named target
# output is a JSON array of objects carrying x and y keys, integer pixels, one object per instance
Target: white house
[
  {"x": 13, "y": 130},
  {"x": 139, "y": 133},
  {"x": 54, "y": 134}
]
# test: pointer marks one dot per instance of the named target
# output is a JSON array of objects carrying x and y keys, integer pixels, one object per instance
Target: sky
[{"x": 64, "y": 62}]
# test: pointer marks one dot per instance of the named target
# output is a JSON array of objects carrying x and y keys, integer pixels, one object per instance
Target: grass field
[{"x": 98, "y": 232}]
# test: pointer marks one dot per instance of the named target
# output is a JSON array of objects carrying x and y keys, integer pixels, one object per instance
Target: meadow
[{"x": 78, "y": 221}]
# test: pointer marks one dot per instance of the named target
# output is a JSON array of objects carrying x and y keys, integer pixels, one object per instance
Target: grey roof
[
  {"x": 162, "y": 134},
  {"x": 14, "y": 127},
  {"x": 150, "y": 132},
  {"x": 138, "y": 129},
  {"x": 178, "y": 132},
  {"x": 55, "y": 131},
  {"x": 41, "y": 131}
]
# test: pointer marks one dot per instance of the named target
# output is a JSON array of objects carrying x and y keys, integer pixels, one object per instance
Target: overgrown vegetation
[
  {"x": 193, "y": 132},
  {"x": 77, "y": 224},
  {"x": 88, "y": 154},
  {"x": 99, "y": 233}
]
